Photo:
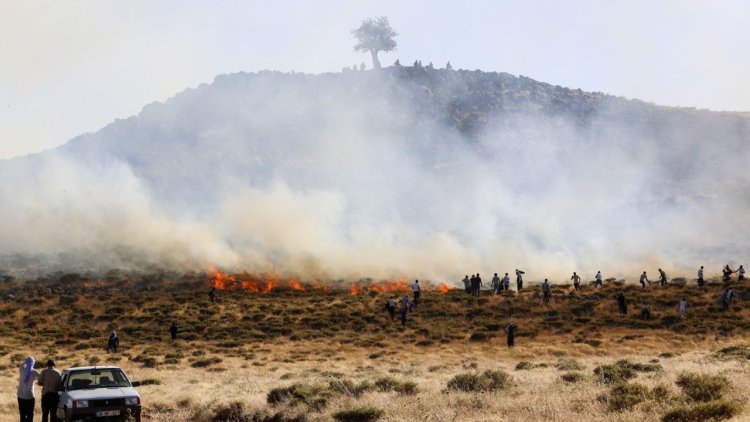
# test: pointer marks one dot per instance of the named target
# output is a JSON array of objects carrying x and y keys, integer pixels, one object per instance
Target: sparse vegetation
[
  {"x": 719, "y": 410},
  {"x": 625, "y": 396},
  {"x": 359, "y": 414},
  {"x": 701, "y": 387},
  {"x": 487, "y": 381}
]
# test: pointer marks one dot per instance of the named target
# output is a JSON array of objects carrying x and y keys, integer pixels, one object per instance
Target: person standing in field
[
  {"x": 27, "y": 377},
  {"x": 113, "y": 343},
  {"x": 545, "y": 292},
  {"x": 173, "y": 331},
  {"x": 473, "y": 284},
  {"x": 496, "y": 286},
  {"x": 622, "y": 304},
  {"x": 683, "y": 308},
  {"x": 519, "y": 279},
  {"x": 506, "y": 282},
  {"x": 644, "y": 280},
  {"x": 391, "y": 306},
  {"x": 598, "y": 279},
  {"x": 740, "y": 273},
  {"x": 700, "y": 276},
  {"x": 726, "y": 299},
  {"x": 510, "y": 332},
  {"x": 417, "y": 292},
  {"x": 212, "y": 294},
  {"x": 50, "y": 380},
  {"x": 404, "y": 309},
  {"x": 576, "y": 280},
  {"x": 662, "y": 278},
  {"x": 467, "y": 284}
]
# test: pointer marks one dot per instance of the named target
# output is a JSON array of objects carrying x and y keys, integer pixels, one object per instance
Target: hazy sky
[{"x": 72, "y": 67}]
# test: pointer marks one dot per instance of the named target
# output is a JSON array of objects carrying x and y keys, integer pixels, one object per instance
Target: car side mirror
[{"x": 136, "y": 383}]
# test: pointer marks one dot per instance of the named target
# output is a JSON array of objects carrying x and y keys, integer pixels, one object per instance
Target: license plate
[{"x": 103, "y": 413}]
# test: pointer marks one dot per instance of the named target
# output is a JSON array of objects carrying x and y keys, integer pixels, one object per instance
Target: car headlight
[
  {"x": 132, "y": 401},
  {"x": 80, "y": 404}
]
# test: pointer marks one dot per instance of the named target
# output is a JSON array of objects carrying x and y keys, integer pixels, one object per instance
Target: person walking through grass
[
  {"x": 50, "y": 380},
  {"x": 683, "y": 308},
  {"x": 113, "y": 343},
  {"x": 646, "y": 313},
  {"x": 390, "y": 304},
  {"x": 510, "y": 332},
  {"x": 404, "y": 309},
  {"x": 212, "y": 294},
  {"x": 644, "y": 280},
  {"x": 727, "y": 298},
  {"x": 173, "y": 331},
  {"x": 417, "y": 292},
  {"x": 662, "y": 278},
  {"x": 545, "y": 292},
  {"x": 576, "y": 280},
  {"x": 27, "y": 377},
  {"x": 519, "y": 279},
  {"x": 622, "y": 304},
  {"x": 598, "y": 279}
]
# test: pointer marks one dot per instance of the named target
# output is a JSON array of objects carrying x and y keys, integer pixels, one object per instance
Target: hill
[{"x": 405, "y": 170}]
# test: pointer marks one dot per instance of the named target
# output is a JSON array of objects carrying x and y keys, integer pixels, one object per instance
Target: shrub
[
  {"x": 314, "y": 396},
  {"x": 472, "y": 382},
  {"x": 387, "y": 384},
  {"x": 573, "y": 377},
  {"x": 569, "y": 365},
  {"x": 348, "y": 388},
  {"x": 202, "y": 363},
  {"x": 625, "y": 396},
  {"x": 640, "y": 367},
  {"x": 612, "y": 374},
  {"x": 738, "y": 351},
  {"x": 524, "y": 365},
  {"x": 712, "y": 411},
  {"x": 660, "y": 393},
  {"x": 230, "y": 412},
  {"x": 360, "y": 414},
  {"x": 701, "y": 387}
]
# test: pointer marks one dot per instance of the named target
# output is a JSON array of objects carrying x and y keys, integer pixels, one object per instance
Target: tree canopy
[{"x": 374, "y": 35}]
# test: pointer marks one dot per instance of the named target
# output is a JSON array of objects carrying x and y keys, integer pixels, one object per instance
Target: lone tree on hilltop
[{"x": 374, "y": 35}]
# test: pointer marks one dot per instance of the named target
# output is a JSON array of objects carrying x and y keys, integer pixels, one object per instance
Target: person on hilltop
[
  {"x": 478, "y": 288},
  {"x": 644, "y": 280},
  {"x": 390, "y": 305},
  {"x": 417, "y": 292},
  {"x": 472, "y": 284},
  {"x": 496, "y": 286},
  {"x": 683, "y": 308},
  {"x": 113, "y": 343},
  {"x": 622, "y": 304},
  {"x": 405, "y": 306},
  {"x": 545, "y": 292},
  {"x": 519, "y": 279},
  {"x": 662, "y": 278},
  {"x": 727, "y": 298},
  {"x": 173, "y": 331},
  {"x": 212, "y": 294},
  {"x": 576, "y": 280},
  {"x": 506, "y": 282},
  {"x": 740, "y": 273},
  {"x": 700, "y": 277},
  {"x": 598, "y": 279},
  {"x": 27, "y": 377},
  {"x": 726, "y": 273},
  {"x": 467, "y": 284},
  {"x": 50, "y": 380},
  {"x": 510, "y": 332},
  {"x": 645, "y": 313}
]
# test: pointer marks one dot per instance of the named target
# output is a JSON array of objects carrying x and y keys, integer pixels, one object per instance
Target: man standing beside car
[{"x": 50, "y": 380}]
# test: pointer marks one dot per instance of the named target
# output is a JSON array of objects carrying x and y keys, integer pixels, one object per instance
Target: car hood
[{"x": 102, "y": 393}]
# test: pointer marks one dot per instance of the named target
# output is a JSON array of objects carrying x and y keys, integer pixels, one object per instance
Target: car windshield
[{"x": 97, "y": 378}]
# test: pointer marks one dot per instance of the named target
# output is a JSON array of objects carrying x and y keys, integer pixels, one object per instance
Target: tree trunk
[{"x": 375, "y": 61}]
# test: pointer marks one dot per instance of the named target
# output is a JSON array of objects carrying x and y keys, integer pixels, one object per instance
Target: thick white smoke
[{"x": 359, "y": 175}]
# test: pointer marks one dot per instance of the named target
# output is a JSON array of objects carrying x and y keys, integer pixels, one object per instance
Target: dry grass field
[{"x": 324, "y": 355}]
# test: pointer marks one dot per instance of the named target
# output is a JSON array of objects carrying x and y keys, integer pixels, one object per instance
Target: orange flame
[
  {"x": 443, "y": 288},
  {"x": 221, "y": 280},
  {"x": 317, "y": 286},
  {"x": 256, "y": 284},
  {"x": 295, "y": 285}
]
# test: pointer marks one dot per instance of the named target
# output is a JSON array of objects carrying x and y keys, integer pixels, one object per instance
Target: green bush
[
  {"x": 487, "y": 381},
  {"x": 613, "y": 374},
  {"x": 360, "y": 414},
  {"x": 573, "y": 377},
  {"x": 701, "y": 387},
  {"x": 625, "y": 396},
  {"x": 712, "y": 411},
  {"x": 314, "y": 396},
  {"x": 640, "y": 367}
]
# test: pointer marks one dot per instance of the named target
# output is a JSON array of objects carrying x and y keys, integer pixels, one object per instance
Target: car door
[{"x": 63, "y": 396}]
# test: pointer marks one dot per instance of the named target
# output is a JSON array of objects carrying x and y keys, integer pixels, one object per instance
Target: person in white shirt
[
  {"x": 598, "y": 279},
  {"x": 683, "y": 308},
  {"x": 404, "y": 309},
  {"x": 417, "y": 292},
  {"x": 644, "y": 280},
  {"x": 700, "y": 276},
  {"x": 741, "y": 272},
  {"x": 506, "y": 282},
  {"x": 576, "y": 280},
  {"x": 27, "y": 377}
]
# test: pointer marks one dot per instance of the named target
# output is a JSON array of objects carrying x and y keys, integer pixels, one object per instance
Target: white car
[{"x": 98, "y": 393}]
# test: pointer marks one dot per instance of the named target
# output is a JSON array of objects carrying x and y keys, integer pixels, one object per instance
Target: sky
[{"x": 72, "y": 67}]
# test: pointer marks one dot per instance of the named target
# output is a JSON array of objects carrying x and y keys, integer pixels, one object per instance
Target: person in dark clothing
[
  {"x": 726, "y": 273},
  {"x": 545, "y": 292},
  {"x": 646, "y": 313},
  {"x": 622, "y": 304},
  {"x": 212, "y": 294},
  {"x": 113, "y": 343},
  {"x": 496, "y": 286},
  {"x": 473, "y": 284},
  {"x": 506, "y": 282},
  {"x": 644, "y": 280},
  {"x": 727, "y": 298},
  {"x": 510, "y": 331},
  {"x": 467, "y": 284},
  {"x": 391, "y": 306},
  {"x": 519, "y": 279},
  {"x": 50, "y": 379},
  {"x": 478, "y": 288},
  {"x": 740, "y": 273},
  {"x": 173, "y": 331},
  {"x": 417, "y": 292},
  {"x": 662, "y": 278},
  {"x": 598, "y": 279},
  {"x": 404, "y": 309},
  {"x": 700, "y": 277}
]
